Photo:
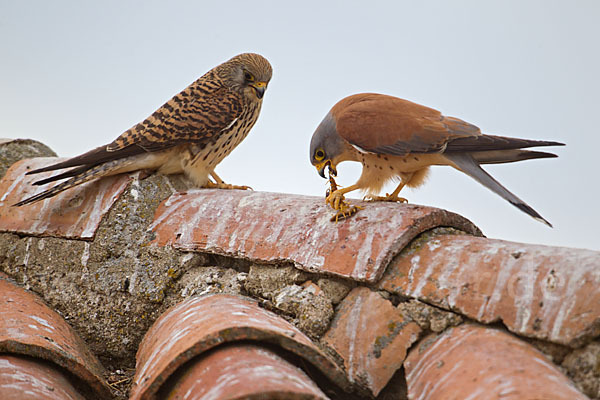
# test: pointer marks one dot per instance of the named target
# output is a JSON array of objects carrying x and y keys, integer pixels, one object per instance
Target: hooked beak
[
  {"x": 321, "y": 168},
  {"x": 259, "y": 88}
]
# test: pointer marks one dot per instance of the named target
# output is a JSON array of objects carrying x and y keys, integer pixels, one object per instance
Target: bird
[
  {"x": 396, "y": 139},
  {"x": 191, "y": 133}
]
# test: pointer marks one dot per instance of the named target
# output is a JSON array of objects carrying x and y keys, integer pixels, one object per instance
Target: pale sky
[{"x": 76, "y": 74}]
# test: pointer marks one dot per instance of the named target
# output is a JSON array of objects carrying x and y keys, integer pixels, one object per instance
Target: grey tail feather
[
  {"x": 469, "y": 166},
  {"x": 85, "y": 176},
  {"x": 507, "y": 156}
]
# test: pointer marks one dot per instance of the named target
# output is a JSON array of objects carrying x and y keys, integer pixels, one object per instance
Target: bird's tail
[
  {"x": 78, "y": 176},
  {"x": 469, "y": 166},
  {"x": 507, "y": 156}
]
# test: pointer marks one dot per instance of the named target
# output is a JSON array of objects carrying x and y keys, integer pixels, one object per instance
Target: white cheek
[{"x": 361, "y": 150}]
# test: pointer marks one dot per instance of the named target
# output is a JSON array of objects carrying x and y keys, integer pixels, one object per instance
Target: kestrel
[
  {"x": 396, "y": 139},
  {"x": 190, "y": 134}
]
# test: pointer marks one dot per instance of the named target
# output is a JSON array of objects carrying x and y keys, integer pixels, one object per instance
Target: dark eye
[
  {"x": 248, "y": 76},
  {"x": 319, "y": 155}
]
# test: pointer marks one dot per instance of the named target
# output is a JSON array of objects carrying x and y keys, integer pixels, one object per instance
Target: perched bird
[
  {"x": 191, "y": 133},
  {"x": 397, "y": 139}
]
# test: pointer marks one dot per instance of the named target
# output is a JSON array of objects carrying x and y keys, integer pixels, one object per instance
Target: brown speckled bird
[
  {"x": 190, "y": 134},
  {"x": 397, "y": 139}
]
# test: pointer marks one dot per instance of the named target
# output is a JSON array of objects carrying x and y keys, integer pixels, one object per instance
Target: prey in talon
[
  {"x": 333, "y": 186},
  {"x": 346, "y": 210}
]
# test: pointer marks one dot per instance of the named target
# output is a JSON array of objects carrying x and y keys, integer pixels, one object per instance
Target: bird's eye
[
  {"x": 248, "y": 76},
  {"x": 319, "y": 155}
]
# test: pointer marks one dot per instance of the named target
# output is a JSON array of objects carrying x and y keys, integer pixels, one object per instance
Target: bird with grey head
[{"x": 395, "y": 139}]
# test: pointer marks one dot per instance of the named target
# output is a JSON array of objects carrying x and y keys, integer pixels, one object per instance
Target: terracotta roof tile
[
  {"x": 275, "y": 227},
  {"x": 243, "y": 371},
  {"x": 75, "y": 213},
  {"x": 550, "y": 293},
  {"x": 372, "y": 338},
  {"x": 223, "y": 344},
  {"x": 29, "y": 327},
  {"x": 199, "y": 324},
  {"x": 24, "y": 378},
  {"x": 471, "y": 362}
]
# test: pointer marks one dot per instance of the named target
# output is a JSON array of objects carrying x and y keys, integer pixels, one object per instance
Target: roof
[{"x": 154, "y": 290}]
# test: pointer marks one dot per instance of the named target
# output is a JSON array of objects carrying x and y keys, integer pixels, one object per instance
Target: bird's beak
[
  {"x": 259, "y": 88},
  {"x": 321, "y": 168}
]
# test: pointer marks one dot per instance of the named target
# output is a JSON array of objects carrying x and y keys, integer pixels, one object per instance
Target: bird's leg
[
  {"x": 390, "y": 197},
  {"x": 220, "y": 184}
]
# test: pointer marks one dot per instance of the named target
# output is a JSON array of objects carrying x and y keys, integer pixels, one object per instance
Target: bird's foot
[
  {"x": 387, "y": 197},
  {"x": 223, "y": 185},
  {"x": 338, "y": 202},
  {"x": 335, "y": 198}
]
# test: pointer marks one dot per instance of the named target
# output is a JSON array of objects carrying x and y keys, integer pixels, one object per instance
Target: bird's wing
[
  {"x": 389, "y": 125},
  {"x": 197, "y": 114},
  {"x": 194, "y": 115},
  {"x": 93, "y": 157}
]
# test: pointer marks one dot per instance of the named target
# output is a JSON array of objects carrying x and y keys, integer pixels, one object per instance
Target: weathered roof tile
[
  {"x": 199, "y": 324},
  {"x": 550, "y": 293},
  {"x": 372, "y": 337},
  {"x": 242, "y": 371},
  {"x": 29, "y": 327},
  {"x": 23, "y": 378},
  {"x": 274, "y": 227},
  {"x": 472, "y": 362},
  {"x": 74, "y": 213}
]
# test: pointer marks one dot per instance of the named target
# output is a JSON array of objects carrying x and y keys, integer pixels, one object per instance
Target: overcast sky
[{"x": 76, "y": 74}]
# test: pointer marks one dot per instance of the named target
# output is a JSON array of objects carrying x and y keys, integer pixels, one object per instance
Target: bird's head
[
  {"x": 248, "y": 73},
  {"x": 327, "y": 148}
]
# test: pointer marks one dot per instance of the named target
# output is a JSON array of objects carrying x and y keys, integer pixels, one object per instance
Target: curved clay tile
[
  {"x": 550, "y": 293},
  {"x": 275, "y": 227},
  {"x": 473, "y": 362},
  {"x": 75, "y": 213},
  {"x": 29, "y": 327},
  {"x": 198, "y": 324},
  {"x": 243, "y": 371},
  {"x": 372, "y": 337},
  {"x": 24, "y": 378}
]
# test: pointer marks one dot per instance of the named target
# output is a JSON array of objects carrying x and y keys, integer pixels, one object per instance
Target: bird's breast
[
  {"x": 400, "y": 164},
  {"x": 207, "y": 155}
]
